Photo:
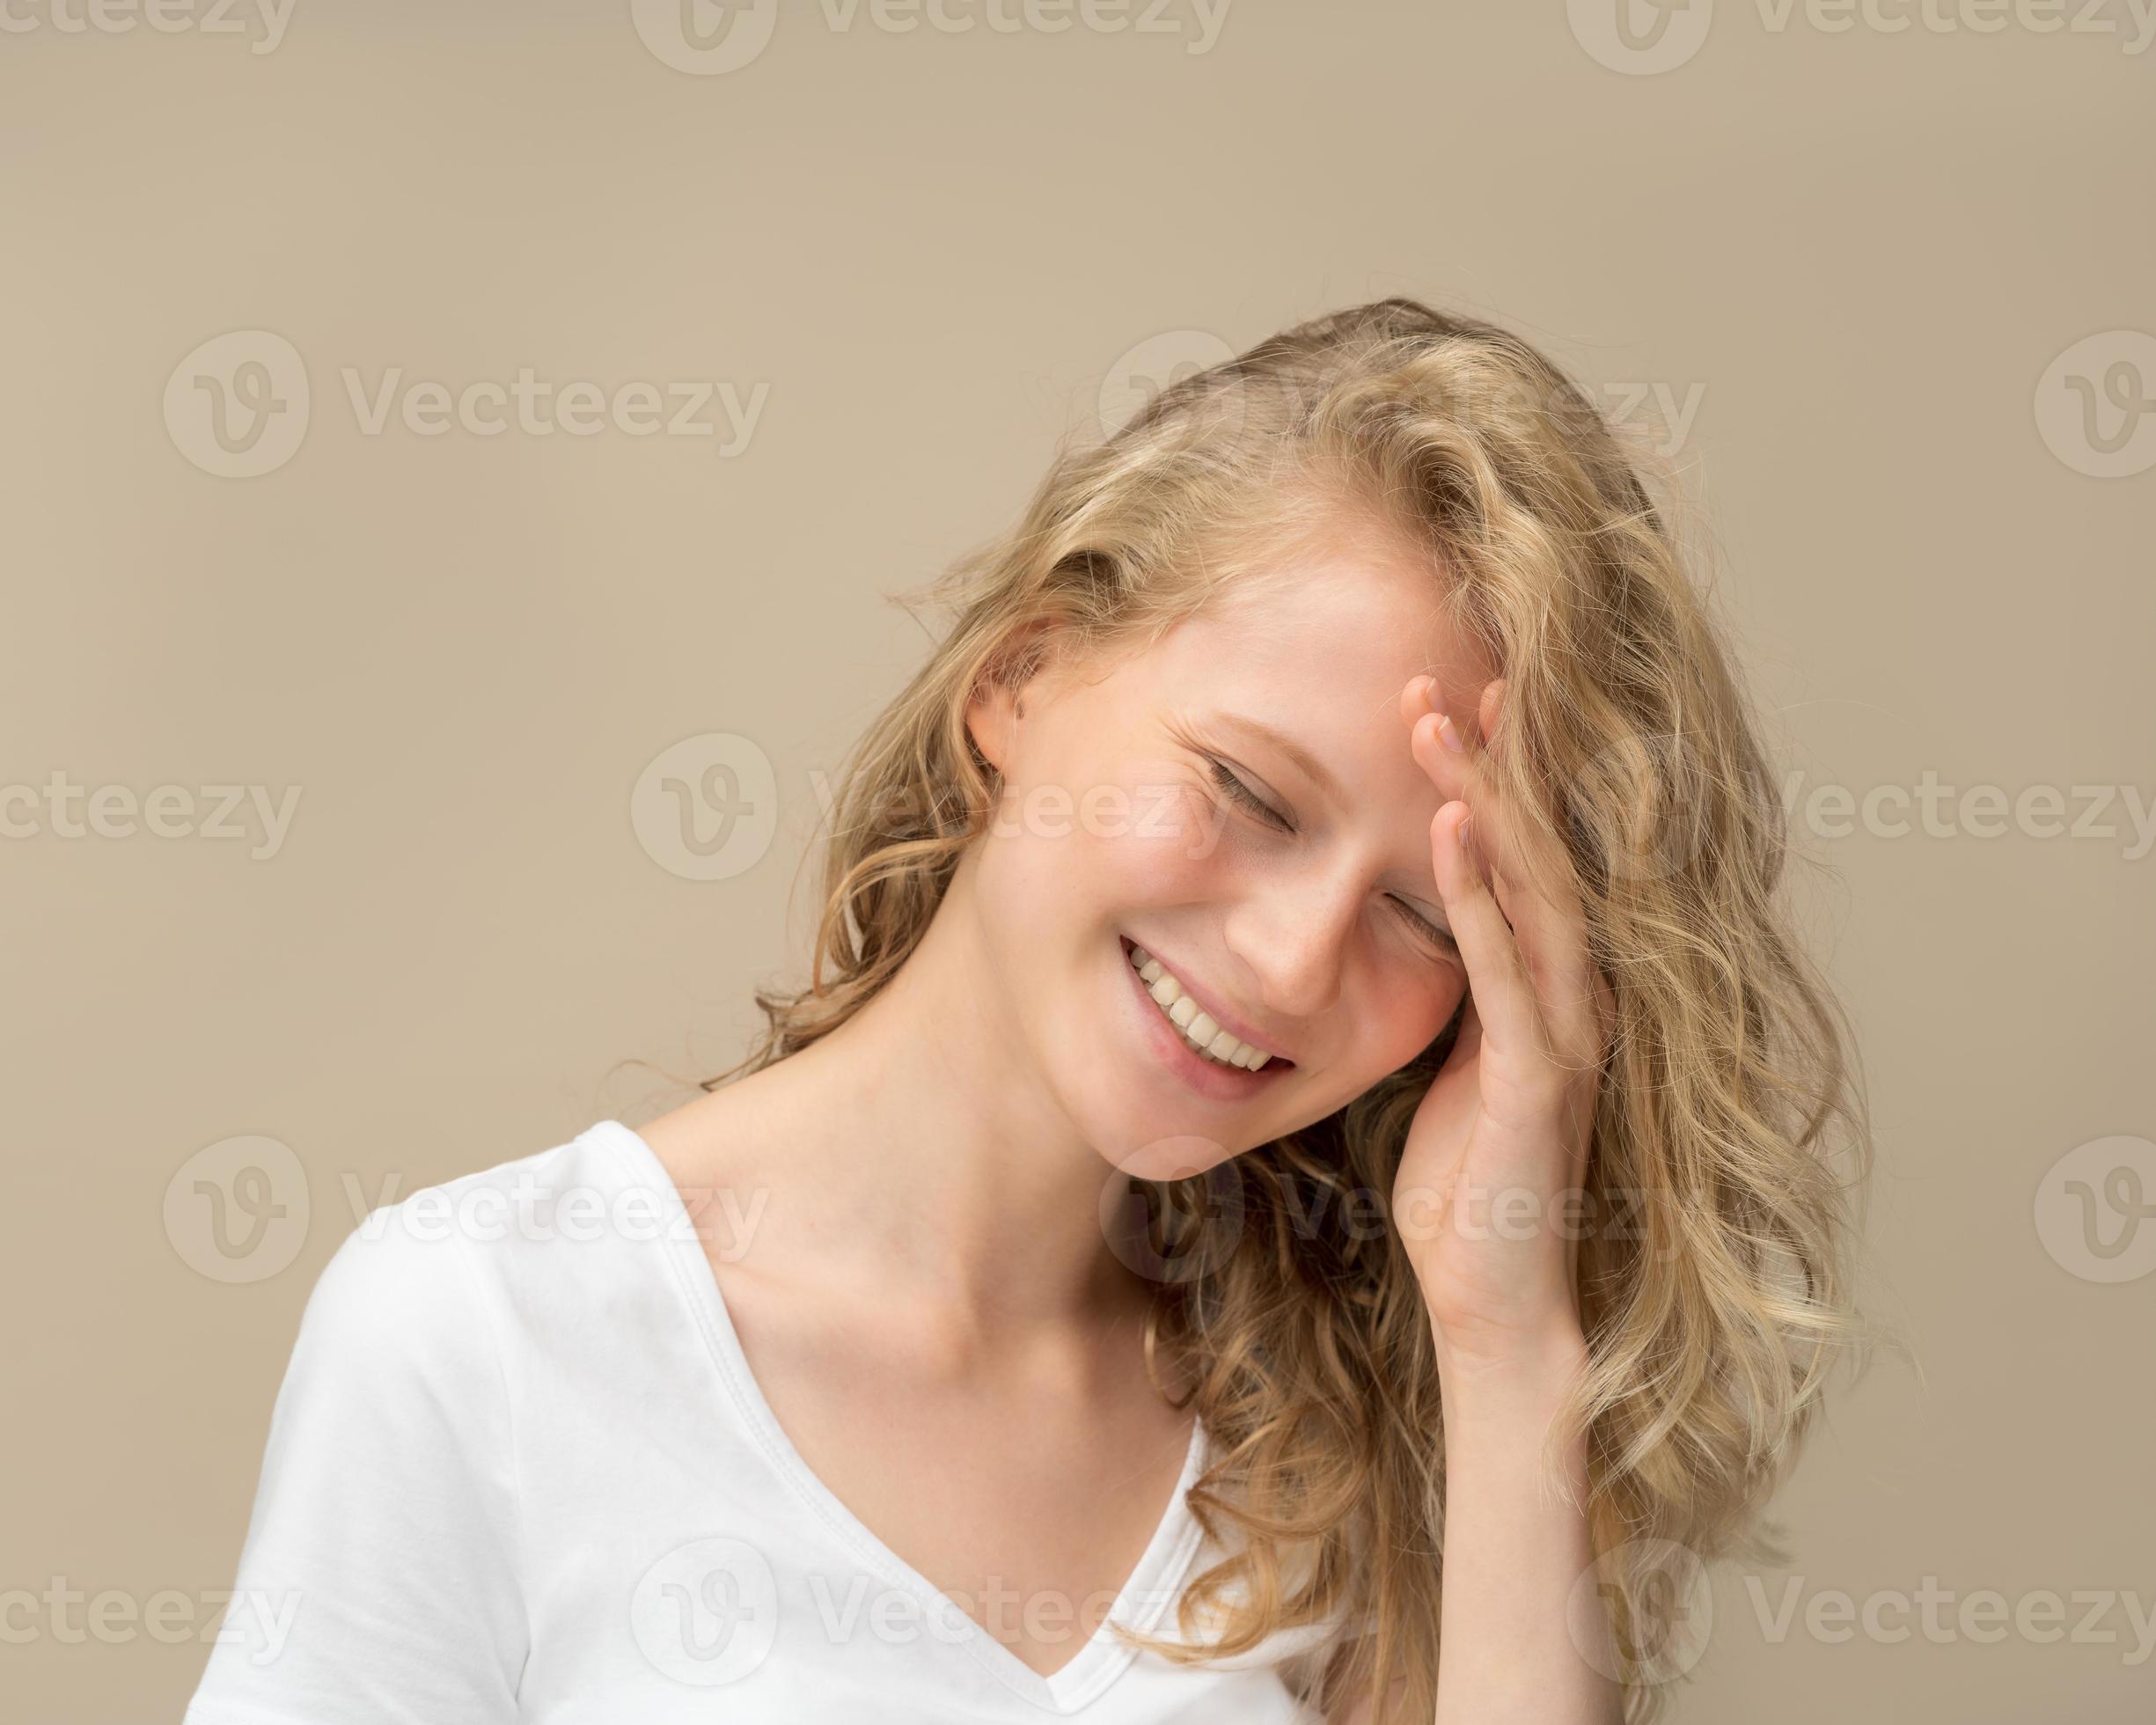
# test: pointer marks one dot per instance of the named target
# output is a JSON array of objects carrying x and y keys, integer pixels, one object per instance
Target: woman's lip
[
  {"x": 1206, "y": 1005},
  {"x": 1208, "y": 1078}
]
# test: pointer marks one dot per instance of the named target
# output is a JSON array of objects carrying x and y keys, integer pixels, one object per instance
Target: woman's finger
[
  {"x": 1548, "y": 912},
  {"x": 1504, "y": 997},
  {"x": 1540, "y": 905}
]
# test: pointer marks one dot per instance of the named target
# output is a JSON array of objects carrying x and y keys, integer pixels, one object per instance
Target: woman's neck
[{"x": 916, "y": 1151}]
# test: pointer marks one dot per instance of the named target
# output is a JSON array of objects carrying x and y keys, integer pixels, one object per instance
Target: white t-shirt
[{"x": 518, "y": 1470}]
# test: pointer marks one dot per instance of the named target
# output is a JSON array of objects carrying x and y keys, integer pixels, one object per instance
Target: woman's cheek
[
  {"x": 1428, "y": 995},
  {"x": 1036, "y": 851},
  {"x": 1172, "y": 841}
]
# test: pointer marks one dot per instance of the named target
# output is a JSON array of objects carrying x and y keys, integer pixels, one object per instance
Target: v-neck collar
[{"x": 1142, "y": 1601}]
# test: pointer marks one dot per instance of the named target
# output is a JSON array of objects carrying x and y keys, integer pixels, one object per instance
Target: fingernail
[{"x": 1449, "y": 733}]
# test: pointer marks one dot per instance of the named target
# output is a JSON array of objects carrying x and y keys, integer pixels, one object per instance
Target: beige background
[{"x": 1856, "y": 253}]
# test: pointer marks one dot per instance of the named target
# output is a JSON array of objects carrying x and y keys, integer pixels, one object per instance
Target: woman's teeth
[{"x": 1197, "y": 1028}]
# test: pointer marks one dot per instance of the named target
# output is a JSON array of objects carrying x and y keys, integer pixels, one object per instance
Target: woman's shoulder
[
  {"x": 440, "y": 1265},
  {"x": 536, "y": 1195}
]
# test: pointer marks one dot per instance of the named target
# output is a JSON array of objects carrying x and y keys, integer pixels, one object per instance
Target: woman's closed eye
[
  {"x": 1238, "y": 792},
  {"x": 1440, "y": 938},
  {"x": 1241, "y": 793}
]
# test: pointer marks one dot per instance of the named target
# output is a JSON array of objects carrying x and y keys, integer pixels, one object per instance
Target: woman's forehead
[{"x": 1349, "y": 623}]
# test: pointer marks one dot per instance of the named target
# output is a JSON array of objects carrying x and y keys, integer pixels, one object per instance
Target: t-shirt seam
[
  {"x": 1118, "y": 1656},
  {"x": 692, "y": 1298}
]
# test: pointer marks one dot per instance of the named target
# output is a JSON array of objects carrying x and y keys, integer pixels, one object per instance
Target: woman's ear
[
  {"x": 991, "y": 719},
  {"x": 998, "y": 701}
]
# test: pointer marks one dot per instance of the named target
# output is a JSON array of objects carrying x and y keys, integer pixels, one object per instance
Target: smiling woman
[
  {"x": 1407, "y": 1148},
  {"x": 1390, "y": 515}
]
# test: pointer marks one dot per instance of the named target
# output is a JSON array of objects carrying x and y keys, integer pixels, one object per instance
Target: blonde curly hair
[{"x": 1731, "y": 1128}]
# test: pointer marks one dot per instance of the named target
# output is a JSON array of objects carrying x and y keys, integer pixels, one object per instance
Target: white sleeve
[{"x": 378, "y": 1582}]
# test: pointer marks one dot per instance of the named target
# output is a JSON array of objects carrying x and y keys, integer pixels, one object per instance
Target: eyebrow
[{"x": 1302, "y": 759}]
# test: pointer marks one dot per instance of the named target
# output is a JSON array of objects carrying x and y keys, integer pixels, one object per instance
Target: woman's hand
[{"x": 1487, "y": 1192}]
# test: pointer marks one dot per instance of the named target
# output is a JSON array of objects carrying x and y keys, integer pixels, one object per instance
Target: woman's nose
[{"x": 1292, "y": 936}]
